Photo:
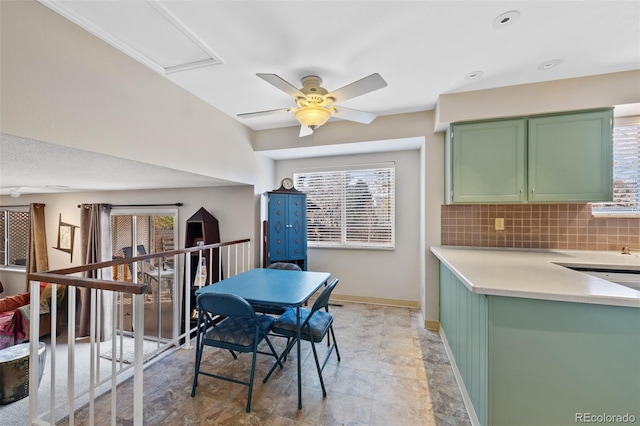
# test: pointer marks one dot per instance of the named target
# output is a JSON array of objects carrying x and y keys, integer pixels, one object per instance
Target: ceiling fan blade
[
  {"x": 354, "y": 115},
  {"x": 358, "y": 88},
  {"x": 305, "y": 131},
  {"x": 260, "y": 113},
  {"x": 281, "y": 84}
]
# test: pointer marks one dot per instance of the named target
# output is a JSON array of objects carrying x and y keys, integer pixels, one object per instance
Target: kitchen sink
[{"x": 625, "y": 277}]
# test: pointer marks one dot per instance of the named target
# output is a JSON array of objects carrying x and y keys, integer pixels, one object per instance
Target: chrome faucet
[{"x": 628, "y": 250}]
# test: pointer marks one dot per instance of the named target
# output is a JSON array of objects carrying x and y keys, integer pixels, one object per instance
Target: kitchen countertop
[{"x": 541, "y": 274}]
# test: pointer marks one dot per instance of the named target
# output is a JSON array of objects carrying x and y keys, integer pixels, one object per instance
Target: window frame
[
  {"x": 344, "y": 241},
  {"x": 609, "y": 209},
  {"x": 6, "y": 242}
]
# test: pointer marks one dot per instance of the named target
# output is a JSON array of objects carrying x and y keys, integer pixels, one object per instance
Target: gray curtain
[{"x": 95, "y": 234}]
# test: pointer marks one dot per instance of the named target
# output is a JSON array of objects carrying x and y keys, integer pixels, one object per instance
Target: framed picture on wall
[{"x": 66, "y": 237}]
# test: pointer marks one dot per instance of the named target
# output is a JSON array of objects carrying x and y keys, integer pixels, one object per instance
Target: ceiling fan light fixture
[
  {"x": 315, "y": 105},
  {"x": 312, "y": 116}
]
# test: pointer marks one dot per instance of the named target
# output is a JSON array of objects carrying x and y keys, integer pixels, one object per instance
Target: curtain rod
[{"x": 143, "y": 205}]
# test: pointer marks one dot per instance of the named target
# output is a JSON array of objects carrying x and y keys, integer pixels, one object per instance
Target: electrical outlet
[{"x": 499, "y": 224}]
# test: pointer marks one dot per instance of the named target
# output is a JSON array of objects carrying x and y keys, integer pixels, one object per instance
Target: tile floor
[{"x": 392, "y": 372}]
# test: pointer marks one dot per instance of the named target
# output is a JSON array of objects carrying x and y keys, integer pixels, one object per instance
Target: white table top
[{"x": 541, "y": 274}]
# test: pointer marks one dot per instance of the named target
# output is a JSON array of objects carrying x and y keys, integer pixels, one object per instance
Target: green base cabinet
[
  {"x": 465, "y": 321},
  {"x": 539, "y": 159},
  {"x": 542, "y": 362}
]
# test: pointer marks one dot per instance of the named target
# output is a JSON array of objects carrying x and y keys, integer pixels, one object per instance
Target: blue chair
[
  {"x": 275, "y": 309},
  {"x": 145, "y": 265},
  {"x": 241, "y": 330},
  {"x": 148, "y": 274},
  {"x": 316, "y": 323}
]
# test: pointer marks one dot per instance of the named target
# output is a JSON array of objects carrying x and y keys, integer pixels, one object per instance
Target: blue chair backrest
[
  {"x": 285, "y": 266},
  {"x": 323, "y": 300},
  {"x": 228, "y": 305},
  {"x": 146, "y": 265},
  {"x": 140, "y": 251}
]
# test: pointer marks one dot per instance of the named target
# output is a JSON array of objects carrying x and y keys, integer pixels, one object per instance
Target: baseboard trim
[
  {"x": 375, "y": 301},
  {"x": 432, "y": 325},
  {"x": 471, "y": 411}
]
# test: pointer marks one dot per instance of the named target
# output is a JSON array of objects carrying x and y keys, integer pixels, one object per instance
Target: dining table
[{"x": 274, "y": 287}]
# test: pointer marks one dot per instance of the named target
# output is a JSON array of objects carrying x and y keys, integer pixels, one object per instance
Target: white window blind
[
  {"x": 350, "y": 207},
  {"x": 626, "y": 171}
]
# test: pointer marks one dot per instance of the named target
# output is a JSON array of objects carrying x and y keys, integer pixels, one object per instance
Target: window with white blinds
[
  {"x": 350, "y": 207},
  {"x": 14, "y": 236},
  {"x": 626, "y": 171}
]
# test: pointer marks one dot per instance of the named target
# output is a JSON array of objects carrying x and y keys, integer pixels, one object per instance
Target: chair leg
[
  {"x": 253, "y": 370},
  {"x": 197, "y": 369},
  {"x": 335, "y": 342},
  {"x": 170, "y": 285},
  {"x": 283, "y": 355},
  {"x": 315, "y": 357},
  {"x": 156, "y": 296},
  {"x": 273, "y": 351}
]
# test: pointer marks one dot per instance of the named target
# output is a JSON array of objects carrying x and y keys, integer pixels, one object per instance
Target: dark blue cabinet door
[
  {"x": 297, "y": 227},
  {"x": 287, "y": 229},
  {"x": 278, "y": 226}
]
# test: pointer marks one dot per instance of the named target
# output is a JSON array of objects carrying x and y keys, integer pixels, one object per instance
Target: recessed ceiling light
[
  {"x": 506, "y": 19},
  {"x": 474, "y": 75},
  {"x": 549, "y": 64}
]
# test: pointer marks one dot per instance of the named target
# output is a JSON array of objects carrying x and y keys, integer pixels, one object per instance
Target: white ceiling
[{"x": 422, "y": 49}]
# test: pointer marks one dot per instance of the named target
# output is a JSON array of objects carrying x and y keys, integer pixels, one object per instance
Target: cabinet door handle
[
  {"x": 521, "y": 190},
  {"x": 533, "y": 190},
  {"x": 288, "y": 226}
]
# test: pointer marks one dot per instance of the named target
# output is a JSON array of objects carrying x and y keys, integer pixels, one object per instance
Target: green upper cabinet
[
  {"x": 570, "y": 157},
  {"x": 488, "y": 162},
  {"x": 551, "y": 158}
]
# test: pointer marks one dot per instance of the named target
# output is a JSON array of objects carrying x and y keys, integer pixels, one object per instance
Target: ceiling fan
[{"x": 315, "y": 105}]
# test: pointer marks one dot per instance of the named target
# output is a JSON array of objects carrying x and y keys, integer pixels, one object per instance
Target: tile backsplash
[{"x": 554, "y": 226}]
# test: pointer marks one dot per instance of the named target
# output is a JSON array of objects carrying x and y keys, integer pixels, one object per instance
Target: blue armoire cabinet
[{"x": 285, "y": 238}]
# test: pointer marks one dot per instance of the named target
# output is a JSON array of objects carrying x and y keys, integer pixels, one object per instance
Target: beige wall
[{"x": 343, "y": 132}]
